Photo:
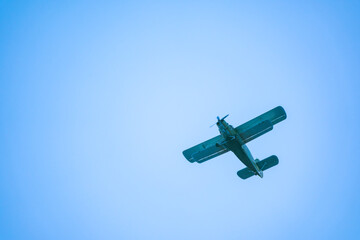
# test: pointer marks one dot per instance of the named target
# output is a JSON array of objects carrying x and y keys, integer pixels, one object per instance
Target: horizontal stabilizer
[
  {"x": 263, "y": 165},
  {"x": 268, "y": 163},
  {"x": 245, "y": 173}
]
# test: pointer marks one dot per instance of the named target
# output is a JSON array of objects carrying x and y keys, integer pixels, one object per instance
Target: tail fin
[{"x": 263, "y": 165}]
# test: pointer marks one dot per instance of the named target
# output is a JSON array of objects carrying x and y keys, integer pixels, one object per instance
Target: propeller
[
  {"x": 224, "y": 117},
  {"x": 219, "y": 119}
]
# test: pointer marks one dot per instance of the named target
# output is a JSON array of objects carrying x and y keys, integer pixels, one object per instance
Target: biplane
[{"x": 235, "y": 139}]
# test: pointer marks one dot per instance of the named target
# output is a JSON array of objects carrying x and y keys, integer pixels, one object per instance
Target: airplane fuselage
[{"x": 235, "y": 144}]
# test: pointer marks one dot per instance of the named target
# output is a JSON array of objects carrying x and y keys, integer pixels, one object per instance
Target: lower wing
[
  {"x": 206, "y": 150},
  {"x": 261, "y": 124}
]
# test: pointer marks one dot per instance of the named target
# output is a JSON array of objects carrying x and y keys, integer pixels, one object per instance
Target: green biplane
[{"x": 234, "y": 139}]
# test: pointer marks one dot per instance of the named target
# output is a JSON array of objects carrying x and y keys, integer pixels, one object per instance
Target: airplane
[{"x": 234, "y": 139}]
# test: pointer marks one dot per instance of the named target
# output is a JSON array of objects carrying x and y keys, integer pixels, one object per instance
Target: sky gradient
[{"x": 98, "y": 101}]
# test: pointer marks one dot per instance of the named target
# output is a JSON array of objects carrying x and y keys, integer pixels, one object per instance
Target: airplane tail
[{"x": 263, "y": 165}]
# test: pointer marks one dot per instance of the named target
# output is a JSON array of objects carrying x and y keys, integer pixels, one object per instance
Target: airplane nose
[{"x": 261, "y": 174}]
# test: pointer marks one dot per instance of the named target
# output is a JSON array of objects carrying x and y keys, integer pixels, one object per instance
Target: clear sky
[{"x": 98, "y": 99}]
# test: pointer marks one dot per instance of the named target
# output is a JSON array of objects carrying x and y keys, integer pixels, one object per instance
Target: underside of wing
[
  {"x": 261, "y": 124},
  {"x": 206, "y": 150}
]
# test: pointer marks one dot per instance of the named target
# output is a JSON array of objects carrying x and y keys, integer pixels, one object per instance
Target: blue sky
[{"x": 98, "y": 101}]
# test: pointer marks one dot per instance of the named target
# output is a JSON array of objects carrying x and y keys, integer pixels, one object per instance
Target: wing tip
[
  {"x": 282, "y": 110},
  {"x": 189, "y": 158}
]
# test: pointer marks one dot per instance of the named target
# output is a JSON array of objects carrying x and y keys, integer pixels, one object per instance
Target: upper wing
[
  {"x": 206, "y": 150},
  {"x": 261, "y": 124}
]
